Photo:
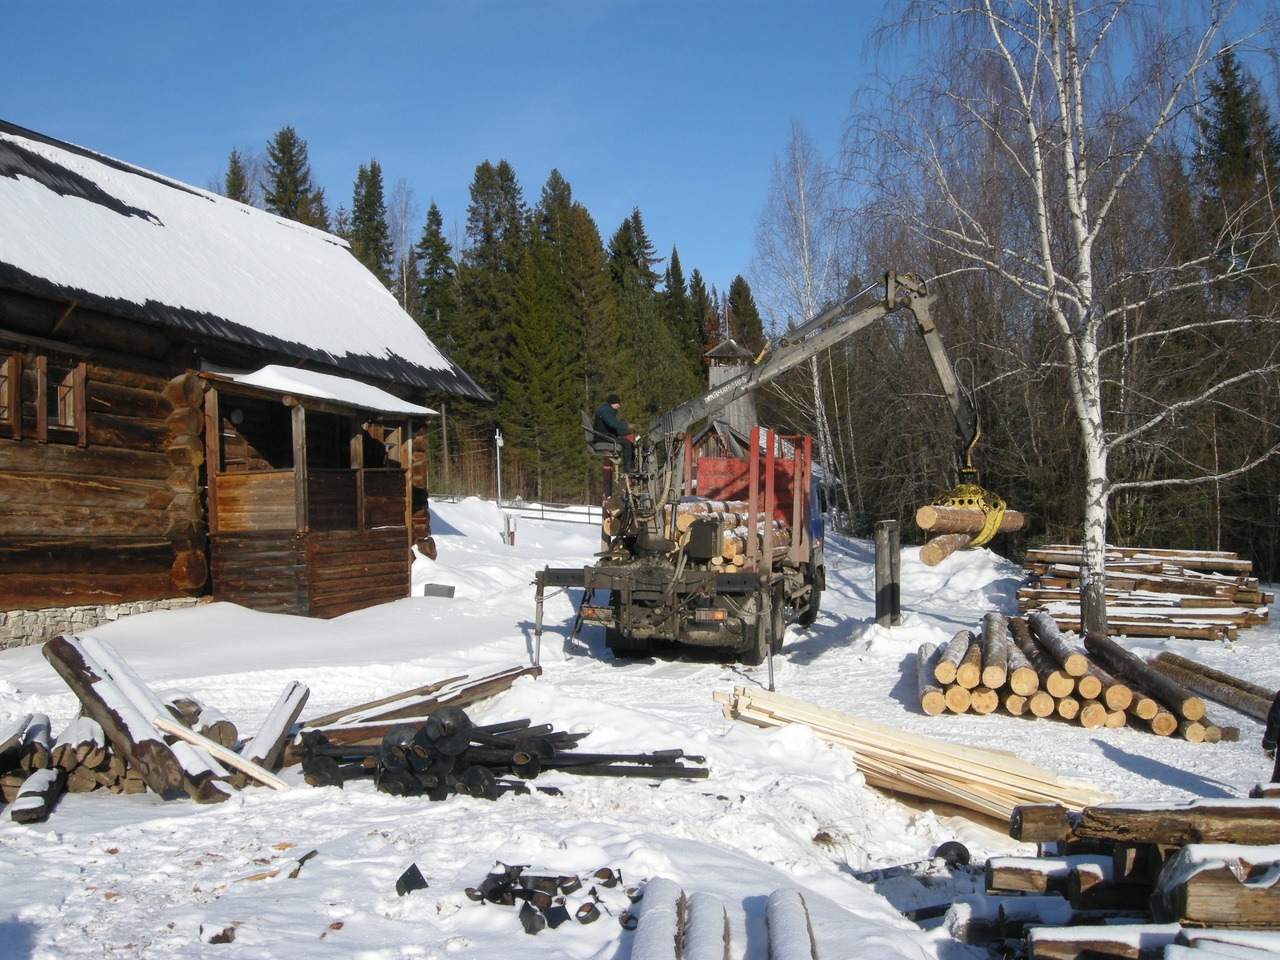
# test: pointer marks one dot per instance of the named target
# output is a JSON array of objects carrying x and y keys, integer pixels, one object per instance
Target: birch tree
[
  {"x": 795, "y": 267},
  {"x": 1065, "y": 109}
]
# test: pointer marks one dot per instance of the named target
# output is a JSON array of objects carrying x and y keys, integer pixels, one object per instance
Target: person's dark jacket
[{"x": 608, "y": 424}]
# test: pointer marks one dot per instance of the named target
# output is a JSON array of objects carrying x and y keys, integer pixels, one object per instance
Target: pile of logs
[
  {"x": 1122, "y": 881},
  {"x": 1208, "y": 595},
  {"x": 988, "y": 781},
  {"x": 955, "y": 528},
  {"x": 446, "y": 753},
  {"x": 734, "y": 525},
  {"x": 129, "y": 739},
  {"x": 1030, "y": 668}
]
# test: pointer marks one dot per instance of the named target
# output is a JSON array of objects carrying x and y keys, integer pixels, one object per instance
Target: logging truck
[{"x": 716, "y": 540}]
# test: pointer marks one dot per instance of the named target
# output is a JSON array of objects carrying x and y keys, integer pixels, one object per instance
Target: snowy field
[{"x": 134, "y": 876}]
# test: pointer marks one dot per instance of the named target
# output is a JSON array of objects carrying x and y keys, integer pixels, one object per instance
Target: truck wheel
[
  {"x": 754, "y": 655},
  {"x": 810, "y": 612},
  {"x": 778, "y": 616},
  {"x": 625, "y": 648}
]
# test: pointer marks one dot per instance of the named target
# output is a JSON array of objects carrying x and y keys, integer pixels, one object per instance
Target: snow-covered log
[
  {"x": 660, "y": 933},
  {"x": 81, "y": 741},
  {"x": 706, "y": 928},
  {"x": 1220, "y": 885},
  {"x": 37, "y": 795},
  {"x": 265, "y": 747},
  {"x": 1131, "y": 941},
  {"x": 790, "y": 932},
  {"x": 131, "y": 734}
]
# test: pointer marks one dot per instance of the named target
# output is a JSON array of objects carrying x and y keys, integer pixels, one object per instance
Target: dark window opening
[
  {"x": 257, "y": 435},
  {"x": 10, "y": 396}
]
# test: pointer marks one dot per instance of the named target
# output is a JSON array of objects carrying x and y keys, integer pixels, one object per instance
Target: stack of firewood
[
  {"x": 1128, "y": 881},
  {"x": 1030, "y": 668},
  {"x": 128, "y": 739},
  {"x": 1207, "y": 595}
]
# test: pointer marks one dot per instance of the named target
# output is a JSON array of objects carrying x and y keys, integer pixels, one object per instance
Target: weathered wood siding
[
  {"x": 263, "y": 571},
  {"x": 256, "y": 502},
  {"x": 349, "y": 571},
  {"x": 117, "y": 518}
]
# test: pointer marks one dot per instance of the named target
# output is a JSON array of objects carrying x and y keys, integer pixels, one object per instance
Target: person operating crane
[{"x": 609, "y": 426}]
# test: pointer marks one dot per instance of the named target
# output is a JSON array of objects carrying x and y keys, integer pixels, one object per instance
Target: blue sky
[{"x": 678, "y": 108}]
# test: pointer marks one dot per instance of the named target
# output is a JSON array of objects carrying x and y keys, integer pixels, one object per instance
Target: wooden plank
[
  {"x": 1220, "y": 886},
  {"x": 229, "y": 757}
]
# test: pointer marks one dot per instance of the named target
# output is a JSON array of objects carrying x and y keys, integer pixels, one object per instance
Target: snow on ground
[{"x": 134, "y": 876}]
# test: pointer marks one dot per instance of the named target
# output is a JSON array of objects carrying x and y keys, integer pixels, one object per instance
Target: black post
[{"x": 888, "y": 574}]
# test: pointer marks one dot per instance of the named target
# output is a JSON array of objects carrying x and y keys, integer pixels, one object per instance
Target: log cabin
[{"x": 197, "y": 399}]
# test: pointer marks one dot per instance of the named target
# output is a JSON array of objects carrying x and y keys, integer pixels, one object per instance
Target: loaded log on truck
[{"x": 716, "y": 540}]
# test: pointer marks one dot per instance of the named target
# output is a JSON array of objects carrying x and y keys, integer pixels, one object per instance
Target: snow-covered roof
[
  {"x": 77, "y": 225},
  {"x": 323, "y": 386}
]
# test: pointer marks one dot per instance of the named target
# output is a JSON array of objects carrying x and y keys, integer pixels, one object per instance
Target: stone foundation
[{"x": 21, "y": 628}]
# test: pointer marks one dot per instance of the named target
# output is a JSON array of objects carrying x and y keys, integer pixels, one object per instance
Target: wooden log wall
[{"x": 118, "y": 518}]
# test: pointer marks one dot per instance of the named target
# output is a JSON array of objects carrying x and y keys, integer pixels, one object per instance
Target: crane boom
[{"x": 819, "y": 333}]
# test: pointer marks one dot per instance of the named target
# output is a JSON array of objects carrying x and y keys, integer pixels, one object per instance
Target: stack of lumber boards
[
  {"x": 992, "y": 782},
  {"x": 1030, "y": 668},
  {"x": 1192, "y": 594},
  {"x": 1134, "y": 880}
]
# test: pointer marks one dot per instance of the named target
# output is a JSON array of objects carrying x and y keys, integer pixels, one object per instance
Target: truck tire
[
  {"x": 755, "y": 653},
  {"x": 626, "y": 648},
  {"x": 810, "y": 612},
  {"x": 778, "y": 615}
]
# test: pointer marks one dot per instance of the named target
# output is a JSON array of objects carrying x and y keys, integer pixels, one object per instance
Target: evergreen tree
[
  {"x": 437, "y": 283},
  {"x": 497, "y": 229},
  {"x": 653, "y": 377},
  {"x": 370, "y": 236},
  {"x": 290, "y": 192},
  {"x": 538, "y": 409},
  {"x": 703, "y": 312},
  {"x": 677, "y": 311},
  {"x": 747, "y": 328},
  {"x": 235, "y": 185}
]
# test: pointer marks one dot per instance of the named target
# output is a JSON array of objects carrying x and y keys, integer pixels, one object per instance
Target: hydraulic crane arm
[{"x": 820, "y": 333}]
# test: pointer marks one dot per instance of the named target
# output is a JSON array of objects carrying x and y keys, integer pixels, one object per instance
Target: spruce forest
[{"x": 549, "y": 315}]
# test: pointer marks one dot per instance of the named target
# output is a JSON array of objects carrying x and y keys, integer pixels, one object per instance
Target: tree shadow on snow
[
  {"x": 17, "y": 940},
  {"x": 1166, "y": 774}
]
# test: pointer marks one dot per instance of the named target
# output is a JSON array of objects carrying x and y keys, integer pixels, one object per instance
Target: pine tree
[
  {"x": 538, "y": 410},
  {"x": 679, "y": 316},
  {"x": 290, "y": 192},
  {"x": 437, "y": 283},
  {"x": 235, "y": 186},
  {"x": 497, "y": 230},
  {"x": 703, "y": 312},
  {"x": 748, "y": 328},
  {"x": 370, "y": 236}
]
